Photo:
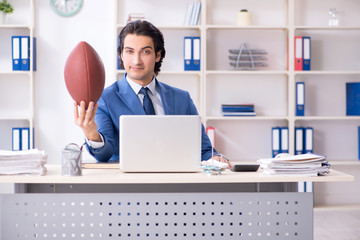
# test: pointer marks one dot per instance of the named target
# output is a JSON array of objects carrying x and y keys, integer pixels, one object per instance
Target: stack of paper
[
  {"x": 23, "y": 162},
  {"x": 303, "y": 164}
]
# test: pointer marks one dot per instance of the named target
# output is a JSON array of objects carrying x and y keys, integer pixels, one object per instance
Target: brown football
[{"x": 84, "y": 74}]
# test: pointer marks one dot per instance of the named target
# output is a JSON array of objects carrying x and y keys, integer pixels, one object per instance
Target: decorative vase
[
  {"x": 243, "y": 18},
  {"x": 2, "y": 18}
]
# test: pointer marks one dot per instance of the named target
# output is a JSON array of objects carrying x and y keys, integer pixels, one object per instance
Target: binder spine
[
  {"x": 16, "y": 47},
  {"x": 210, "y": 131},
  {"x": 275, "y": 141},
  {"x": 299, "y": 140},
  {"x": 25, "y": 53},
  {"x": 16, "y": 139},
  {"x": 187, "y": 53},
  {"x": 300, "y": 98},
  {"x": 309, "y": 140},
  {"x": 298, "y": 53},
  {"x": 196, "y": 53},
  {"x": 284, "y": 140},
  {"x": 306, "y": 53}
]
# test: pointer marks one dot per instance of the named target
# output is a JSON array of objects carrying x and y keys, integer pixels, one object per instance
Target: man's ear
[{"x": 158, "y": 56}]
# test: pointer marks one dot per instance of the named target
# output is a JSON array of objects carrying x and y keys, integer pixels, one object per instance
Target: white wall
[{"x": 56, "y": 37}]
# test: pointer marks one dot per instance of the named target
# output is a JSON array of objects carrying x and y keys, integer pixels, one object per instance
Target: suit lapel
[
  {"x": 167, "y": 98},
  {"x": 130, "y": 99}
]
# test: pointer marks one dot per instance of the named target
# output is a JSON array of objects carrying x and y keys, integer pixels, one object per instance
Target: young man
[{"x": 141, "y": 52}]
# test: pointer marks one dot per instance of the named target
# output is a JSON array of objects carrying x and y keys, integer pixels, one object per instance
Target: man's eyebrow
[{"x": 141, "y": 48}]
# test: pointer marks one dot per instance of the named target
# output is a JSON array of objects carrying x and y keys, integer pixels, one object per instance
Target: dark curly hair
[{"x": 143, "y": 28}]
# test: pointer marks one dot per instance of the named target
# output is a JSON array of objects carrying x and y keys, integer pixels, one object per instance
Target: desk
[{"x": 156, "y": 214}]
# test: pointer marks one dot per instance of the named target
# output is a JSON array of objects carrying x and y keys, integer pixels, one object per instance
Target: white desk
[
  {"x": 154, "y": 214},
  {"x": 115, "y": 176}
]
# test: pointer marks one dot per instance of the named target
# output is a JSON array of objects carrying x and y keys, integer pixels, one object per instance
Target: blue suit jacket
[{"x": 119, "y": 99}]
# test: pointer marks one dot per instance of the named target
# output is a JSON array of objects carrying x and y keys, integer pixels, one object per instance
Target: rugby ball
[{"x": 84, "y": 74}]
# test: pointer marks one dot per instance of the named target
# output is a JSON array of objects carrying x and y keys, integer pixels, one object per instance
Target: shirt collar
[{"x": 136, "y": 87}]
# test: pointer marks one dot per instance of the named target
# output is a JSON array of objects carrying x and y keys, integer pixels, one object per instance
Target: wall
[{"x": 56, "y": 37}]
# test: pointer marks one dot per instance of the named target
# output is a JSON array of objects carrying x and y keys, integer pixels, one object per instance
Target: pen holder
[
  {"x": 243, "y": 18},
  {"x": 71, "y": 162}
]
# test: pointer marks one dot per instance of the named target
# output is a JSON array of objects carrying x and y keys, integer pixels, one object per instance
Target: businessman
[{"x": 141, "y": 52}]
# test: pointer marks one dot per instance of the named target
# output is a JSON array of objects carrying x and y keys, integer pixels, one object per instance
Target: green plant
[{"x": 6, "y": 7}]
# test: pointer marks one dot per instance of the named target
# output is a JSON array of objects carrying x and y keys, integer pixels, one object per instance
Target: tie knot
[{"x": 144, "y": 92}]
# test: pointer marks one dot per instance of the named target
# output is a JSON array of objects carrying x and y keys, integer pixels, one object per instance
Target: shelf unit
[
  {"x": 17, "y": 87},
  {"x": 272, "y": 89}
]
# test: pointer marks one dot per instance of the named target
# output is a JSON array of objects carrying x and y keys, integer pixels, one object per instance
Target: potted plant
[{"x": 5, "y": 8}]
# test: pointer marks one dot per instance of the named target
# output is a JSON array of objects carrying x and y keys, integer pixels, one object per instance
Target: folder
[
  {"x": 189, "y": 10},
  {"x": 25, "y": 53},
  {"x": 352, "y": 98},
  {"x": 196, "y": 51},
  {"x": 210, "y": 131},
  {"x": 299, "y": 140},
  {"x": 309, "y": 186},
  {"x": 309, "y": 140},
  {"x": 34, "y": 54},
  {"x": 298, "y": 53},
  {"x": 16, "y": 139},
  {"x": 306, "y": 53},
  {"x": 275, "y": 141},
  {"x": 197, "y": 7},
  {"x": 301, "y": 186},
  {"x": 359, "y": 142},
  {"x": 187, "y": 53},
  {"x": 25, "y": 138},
  {"x": 284, "y": 134},
  {"x": 300, "y": 98},
  {"x": 15, "y": 40}
]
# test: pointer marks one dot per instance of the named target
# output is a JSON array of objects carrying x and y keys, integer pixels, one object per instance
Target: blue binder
[
  {"x": 299, "y": 140},
  {"x": 25, "y": 53},
  {"x": 25, "y": 138},
  {"x": 300, "y": 98},
  {"x": 308, "y": 140},
  {"x": 306, "y": 53},
  {"x": 196, "y": 53},
  {"x": 359, "y": 142},
  {"x": 15, "y": 44},
  {"x": 353, "y": 98},
  {"x": 275, "y": 141},
  {"x": 187, "y": 53},
  {"x": 284, "y": 136},
  {"x": 34, "y": 54},
  {"x": 16, "y": 139}
]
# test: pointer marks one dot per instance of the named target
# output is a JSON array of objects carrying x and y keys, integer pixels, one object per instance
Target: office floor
[{"x": 337, "y": 223}]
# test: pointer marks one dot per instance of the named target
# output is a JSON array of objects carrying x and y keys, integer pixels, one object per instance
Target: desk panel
[{"x": 157, "y": 216}]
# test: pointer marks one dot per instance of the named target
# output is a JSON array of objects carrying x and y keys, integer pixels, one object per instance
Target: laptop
[{"x": 166, "y": 143}]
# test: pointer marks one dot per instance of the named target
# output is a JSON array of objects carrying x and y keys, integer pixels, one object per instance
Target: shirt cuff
[{"x": 94, "y": 144}]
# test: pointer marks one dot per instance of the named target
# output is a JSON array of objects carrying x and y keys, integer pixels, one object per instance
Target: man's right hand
[{"x": 85, "y": 119}]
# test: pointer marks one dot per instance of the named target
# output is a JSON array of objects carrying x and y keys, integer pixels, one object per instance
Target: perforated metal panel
[{"x": 157, "y": 216}]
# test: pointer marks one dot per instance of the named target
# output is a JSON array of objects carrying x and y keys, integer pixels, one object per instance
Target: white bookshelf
[
  {"x": 17, "y": 87},
  {"x": 272, "y": 89}
]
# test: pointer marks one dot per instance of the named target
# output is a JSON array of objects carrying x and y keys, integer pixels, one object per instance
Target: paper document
[{"x": 303, "y": 164}]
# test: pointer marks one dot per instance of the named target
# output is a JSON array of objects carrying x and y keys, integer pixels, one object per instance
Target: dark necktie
[{"x": 147, "y": 103}]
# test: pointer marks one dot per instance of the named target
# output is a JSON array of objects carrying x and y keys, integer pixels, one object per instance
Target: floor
[{"x": 340, "y": 223}]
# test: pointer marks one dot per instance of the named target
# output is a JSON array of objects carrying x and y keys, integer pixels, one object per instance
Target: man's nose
[{"x": 137, "y": 58}]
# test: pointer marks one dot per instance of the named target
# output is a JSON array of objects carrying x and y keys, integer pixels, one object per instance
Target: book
[{"x": 238, "y": 110}]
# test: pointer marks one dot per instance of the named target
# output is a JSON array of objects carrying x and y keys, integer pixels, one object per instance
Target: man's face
[{"x": 139, "y": 58}]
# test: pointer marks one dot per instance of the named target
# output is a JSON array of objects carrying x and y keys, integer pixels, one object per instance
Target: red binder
[
  {"x": 298, "y": 53},
  {"x": 210, "y": 131}
]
